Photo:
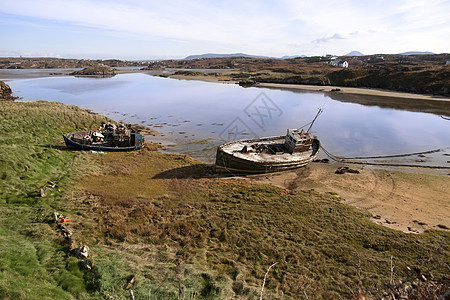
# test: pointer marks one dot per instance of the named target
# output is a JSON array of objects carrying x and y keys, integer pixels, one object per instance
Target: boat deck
[
  {"x": 81, "y": 140},
  {"x": 252, "y": 154}
]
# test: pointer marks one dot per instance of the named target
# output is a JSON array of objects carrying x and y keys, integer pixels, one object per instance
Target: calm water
[{"x": 194, "y": 116}]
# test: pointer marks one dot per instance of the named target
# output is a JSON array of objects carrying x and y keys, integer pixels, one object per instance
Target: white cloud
[
  {"x": 196, "y": 20},
  {"x": 265, "y": 27}
]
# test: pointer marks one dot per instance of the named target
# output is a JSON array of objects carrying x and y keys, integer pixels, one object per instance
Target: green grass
[
  {"x": 182, "y": 234},
  {"x": 225, "y": 234},
  {"x": 31, "y": 144},
  {"x": 33, "y": 261}
]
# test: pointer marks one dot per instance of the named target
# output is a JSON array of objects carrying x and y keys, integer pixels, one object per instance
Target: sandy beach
[
  {"x": 407, "y": 199},
  {"x": 352, "y": 90},
  {"x": 322, "y": 88}
]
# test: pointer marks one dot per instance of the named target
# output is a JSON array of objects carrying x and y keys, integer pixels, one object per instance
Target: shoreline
[
  {"x": 353, "y": 90},
  {"x": 402, "y": 205},
  {"x": 146, "y": 213},
  {"x": 329, "y": 89},
  {"x": 437, "y": 105},
  {"x": 299, "y": 87}
]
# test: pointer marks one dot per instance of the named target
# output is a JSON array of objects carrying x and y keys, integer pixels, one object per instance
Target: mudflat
[
  {"x": 407, "y": 199},
  {"x": 352, "y": 90}
]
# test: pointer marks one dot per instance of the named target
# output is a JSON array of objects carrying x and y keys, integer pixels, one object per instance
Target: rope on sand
[{"x": 349, "y": 159}]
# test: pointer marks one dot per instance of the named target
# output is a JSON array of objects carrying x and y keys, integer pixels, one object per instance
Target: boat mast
[{"x": 310, "y": 126}]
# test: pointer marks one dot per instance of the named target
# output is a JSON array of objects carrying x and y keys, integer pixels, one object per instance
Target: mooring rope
[
  {"x": 349, "y": 159},
  {"x": 392, "y": 156}
]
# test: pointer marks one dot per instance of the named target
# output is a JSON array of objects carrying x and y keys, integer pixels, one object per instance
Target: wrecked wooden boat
[
  {"x": 271, "y": 154},
  {"x": 108, "y": 138}
]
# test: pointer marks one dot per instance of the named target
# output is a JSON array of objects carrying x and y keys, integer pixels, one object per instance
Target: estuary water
[{"x": 194, "y": 117}]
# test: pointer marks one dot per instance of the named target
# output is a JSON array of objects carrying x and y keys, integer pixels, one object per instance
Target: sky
[{"x": 148, "y": 29}]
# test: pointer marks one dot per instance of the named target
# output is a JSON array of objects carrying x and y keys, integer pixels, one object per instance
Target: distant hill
[
  {"x": 354, "y": 53},
  {"x": 292, "y": 56},
  {"x": 215, "y": 55},
  {"x": 416, "y": 53}
]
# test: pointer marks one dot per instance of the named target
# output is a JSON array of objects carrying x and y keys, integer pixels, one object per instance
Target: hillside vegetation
[
  {"x": 98, "y": 71},
  {"x": 425, "y": 74},
  {"x": 33, "y": 262},
  {"x": 181, "y": 233}
]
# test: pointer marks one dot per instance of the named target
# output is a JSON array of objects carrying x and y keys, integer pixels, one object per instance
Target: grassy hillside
[
  {"x": 424, "y": 74},
  {"x": 182, "y": 233},
  {"x": 33, "y": 262}
]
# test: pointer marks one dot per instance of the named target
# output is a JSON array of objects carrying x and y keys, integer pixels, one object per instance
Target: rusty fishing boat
[
  {"x": 269, "y": 154},
  {"x": 110, "y": 138}
]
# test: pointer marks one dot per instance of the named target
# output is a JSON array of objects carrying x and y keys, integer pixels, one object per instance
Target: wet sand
[
  {"x": 355, "y": 91},
  {"x": 407, "y": 199},
  {"x": 324, "y": 89}
]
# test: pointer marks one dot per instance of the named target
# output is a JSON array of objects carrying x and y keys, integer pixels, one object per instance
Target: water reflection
[{"x": 193, "y": 115}]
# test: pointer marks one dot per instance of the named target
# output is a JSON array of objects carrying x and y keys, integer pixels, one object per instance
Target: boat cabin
[
  {"x": 297, "y": 141},
  {"x": 109, "y": 135}
]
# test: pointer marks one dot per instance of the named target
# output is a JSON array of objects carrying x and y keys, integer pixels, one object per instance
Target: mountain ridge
[
  {"x": 354, "y": 53},
  {"x": 416, "y": 53},
  {"x": 222, "y": 55},
  {"x": 218, "y": 55}
]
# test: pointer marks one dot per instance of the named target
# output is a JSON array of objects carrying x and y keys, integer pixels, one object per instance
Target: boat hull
[
  {"x": 228, "y": 161},
  {"x": 139, "y": 140}
]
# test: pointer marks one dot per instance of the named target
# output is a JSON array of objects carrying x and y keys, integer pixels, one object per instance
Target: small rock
[
  {"x": 343, "y": 170},
  {"x": 55, "y": 216},
  {"x": 131, "y": 280},
  {"x": 5, "y": 92},
  {"x": 82, "y": 252},
  {"x": 86, "y": 264}
]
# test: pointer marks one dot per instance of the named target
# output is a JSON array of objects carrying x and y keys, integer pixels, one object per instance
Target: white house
[
  {"x": 343, "y": 64},
  {"x": 339, "y": 63}
]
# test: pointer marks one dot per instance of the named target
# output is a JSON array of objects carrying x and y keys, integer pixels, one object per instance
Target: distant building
[
  {"x": 448, "y": 62},
  {"x": 339, "y": 63},
  {"x": 343, "y": 64}
]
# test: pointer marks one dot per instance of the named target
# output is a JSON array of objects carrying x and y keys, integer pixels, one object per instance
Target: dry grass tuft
[{"x": 232, "y": 230}]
